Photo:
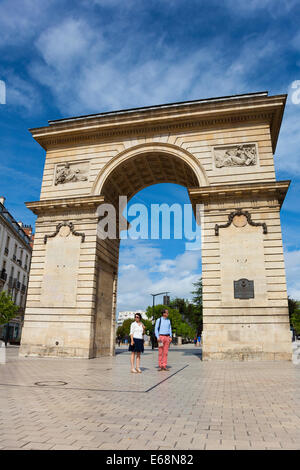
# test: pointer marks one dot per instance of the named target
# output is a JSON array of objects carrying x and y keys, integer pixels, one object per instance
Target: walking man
[{"x": 163, "y": 333}]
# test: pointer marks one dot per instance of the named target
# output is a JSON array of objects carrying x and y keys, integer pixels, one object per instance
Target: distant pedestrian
[
  {"x": 119, "y": 340},
  {"x": 136, "y": 346},
  {"x": 195, "y": 341},
  {"x": 163, "y": 333},
  {"x": 199, "y": 340}
]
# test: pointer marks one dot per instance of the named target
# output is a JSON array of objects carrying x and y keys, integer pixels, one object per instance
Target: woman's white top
[{"x": 136, "y": 329}]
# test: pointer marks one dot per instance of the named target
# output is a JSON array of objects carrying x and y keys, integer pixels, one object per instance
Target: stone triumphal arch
[{"x": 220, "y": 149}]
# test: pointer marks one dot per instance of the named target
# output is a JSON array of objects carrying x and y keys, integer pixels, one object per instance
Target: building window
[
  {"x": 15, "y": 253},
  {"x": 3, "y": 273},
  {"x": 6, "y": 249},
  {"x": 19, "y": 260}
]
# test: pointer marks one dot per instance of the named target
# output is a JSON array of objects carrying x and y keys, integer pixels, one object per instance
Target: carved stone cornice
[
  {"x": 61, "y": 205},
  {"x": 174, "y": 117},
  {"x": 208, "y": 194}
]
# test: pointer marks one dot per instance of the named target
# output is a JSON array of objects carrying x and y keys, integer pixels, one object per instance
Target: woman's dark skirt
[{"x": 138, "y": 345}]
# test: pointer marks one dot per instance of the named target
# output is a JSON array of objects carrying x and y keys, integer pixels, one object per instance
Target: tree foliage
[
  {"x": 292, "y": 307},
  {"x": 192, "y": 312},
  {"x": 186, "y": 317},
  {"x": 295, "y": 319},
  {"x": 179, "y": 325},
  {"x": 124, "y": 329},
  {"x": 294, "y": 314},
  {"x": 8, "y": 309}
]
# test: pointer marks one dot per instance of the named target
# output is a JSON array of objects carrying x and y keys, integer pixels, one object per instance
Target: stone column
[
  {"x": 61, "y": 301},
  {"x": 245, "y": 307}
]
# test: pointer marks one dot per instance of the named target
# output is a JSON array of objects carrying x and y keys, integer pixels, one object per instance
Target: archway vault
[{"x": 147, "y": 164}]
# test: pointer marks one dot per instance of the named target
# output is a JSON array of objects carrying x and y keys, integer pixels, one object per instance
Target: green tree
[
  {"x": 198, "y": 298},
  {"x": 8, "y": 309},
  {"x": 179, "y": 324},
  {"x": 292, "y": 307},
  {"x": 197, "y": 316},
  {"x": 124, "y": 329},
  {"x": 295, "y": 318}
]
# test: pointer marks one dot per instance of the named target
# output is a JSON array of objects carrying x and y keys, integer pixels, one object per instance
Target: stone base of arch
[
  {"x": 71, "y": 302},
  {"x": 242, "y": 240}
]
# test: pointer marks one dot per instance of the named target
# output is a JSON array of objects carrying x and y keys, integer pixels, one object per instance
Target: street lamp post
[{"x": 153, "y": 318}]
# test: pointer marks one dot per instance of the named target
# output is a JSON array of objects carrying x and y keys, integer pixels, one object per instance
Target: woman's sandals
[{"x": 138, "y": 370}]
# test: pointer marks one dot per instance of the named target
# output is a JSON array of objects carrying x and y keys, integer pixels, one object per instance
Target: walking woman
[{"x": 136, "y": 346}]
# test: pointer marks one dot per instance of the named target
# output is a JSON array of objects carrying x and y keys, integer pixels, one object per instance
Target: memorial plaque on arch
[{"x": 243, "y": 289}]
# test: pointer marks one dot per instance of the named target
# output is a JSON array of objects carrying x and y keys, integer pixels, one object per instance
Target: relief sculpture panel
[
  {"x": 69, "y": 173},
  {"x": 235, "y": 155}
]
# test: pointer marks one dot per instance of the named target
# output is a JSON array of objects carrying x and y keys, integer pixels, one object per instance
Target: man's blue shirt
[{"x": 165, "y": 327}]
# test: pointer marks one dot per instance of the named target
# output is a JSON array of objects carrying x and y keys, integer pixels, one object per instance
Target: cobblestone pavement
[{"x": 98, "y": 404}]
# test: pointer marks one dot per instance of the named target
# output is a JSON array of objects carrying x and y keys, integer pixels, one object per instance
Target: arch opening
[{"x": 127, "y": 177}]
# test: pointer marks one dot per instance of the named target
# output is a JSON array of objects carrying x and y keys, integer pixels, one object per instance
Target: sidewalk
[{"x": 50, "y": 403}]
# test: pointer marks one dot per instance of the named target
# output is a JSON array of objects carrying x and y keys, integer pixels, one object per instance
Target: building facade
[
  {"x": 122, "y": 316},
  {"x": 15, "y": 259}
]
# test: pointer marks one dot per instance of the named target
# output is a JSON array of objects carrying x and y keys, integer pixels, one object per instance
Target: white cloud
[
  {"x": 65, "y": 45},
  {"x": 126, "y": 267},
  {"x": 137, "y": 253},
  {"x": 89, "y": 69},
  {"x": 175, "y": 275},
  {"x": 274, "y": 7},
  {"x": 287, "y": 157},
  {"x": 292, "y": 265},
  {"x": 17, "y": 176},
  {"x": 21, "y": 93},
  {"x": 20, "y": 20}
]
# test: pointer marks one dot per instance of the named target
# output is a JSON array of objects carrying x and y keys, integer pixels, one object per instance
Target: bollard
[{"x": 2, "y": 352}]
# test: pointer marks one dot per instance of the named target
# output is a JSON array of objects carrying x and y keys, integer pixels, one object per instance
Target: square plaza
[{"x": 76, "y": 404}]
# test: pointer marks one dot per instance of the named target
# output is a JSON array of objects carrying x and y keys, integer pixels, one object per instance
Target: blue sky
[{"x": 61, "y": 58}]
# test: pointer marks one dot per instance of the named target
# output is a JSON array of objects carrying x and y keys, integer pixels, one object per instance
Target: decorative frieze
[
  {"x": 71, "y": 173},
  {"x": 235, "y": 155}
]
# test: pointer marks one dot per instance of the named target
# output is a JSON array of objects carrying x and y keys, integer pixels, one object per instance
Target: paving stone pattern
[{"x": 201, "y": 405}]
